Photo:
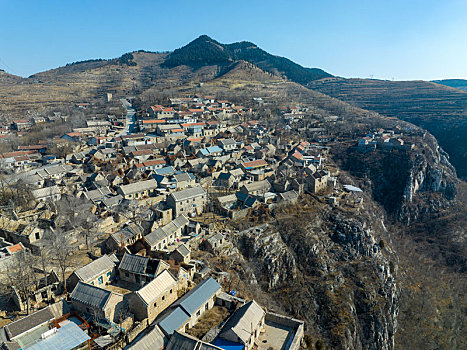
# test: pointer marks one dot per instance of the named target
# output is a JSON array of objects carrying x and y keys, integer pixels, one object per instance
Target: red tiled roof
[
  {"x": 15, "y": 248},
  {"x": 143, "y": 152},
  {"x": 297, "y": 155},
  {"x": 32, "y": 147},
  {"x": 154, "y": 121},
  {"x": 74, "y": 133},
  {"x": 185, "y": 125},
  {"x": 154, "y": 162},
  {"x": 17, "y": 153},
  {"x": 255, "y": 163}
]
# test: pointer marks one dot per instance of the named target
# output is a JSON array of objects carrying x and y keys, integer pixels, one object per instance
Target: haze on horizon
[{"x": 401, "y": 40}]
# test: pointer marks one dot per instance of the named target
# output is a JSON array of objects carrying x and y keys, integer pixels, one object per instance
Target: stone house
[
  {"x": 98, "y": 272},
  {"x": 140, "y": 269},
  {"x": 97, "y": 302},
  {"x": 182, "y": 254},
  {"x": 257, "y": 188},
  {"x": 190, "y": 307},
  {"x": 214, "y": 242},
  {"x": 244, "y": 326},
  {"x": 154, "y": 297},
  {"x": 162, "y": 237},
  {"x": 124, "y": 237},
  {"x": 190, "y": 200},
  {"x": 318, "y": 181},
  {"x": 138, "y": 189}
]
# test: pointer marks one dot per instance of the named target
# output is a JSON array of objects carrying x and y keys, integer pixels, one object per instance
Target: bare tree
[
  {"x": 20, "y": 275},
  {"x": 61, "y": 250},
  {"x": 75, "y": 214}
]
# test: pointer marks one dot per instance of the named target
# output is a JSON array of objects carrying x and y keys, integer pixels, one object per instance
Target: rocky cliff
[
  {"x": 329, "y": 268},
  {"x": 408, "y": 183}
]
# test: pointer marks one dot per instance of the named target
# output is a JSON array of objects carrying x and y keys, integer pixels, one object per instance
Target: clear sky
[{"x": 385, "y": 39}]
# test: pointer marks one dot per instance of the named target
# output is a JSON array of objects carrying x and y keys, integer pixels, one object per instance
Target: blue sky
[{"x": 386, "y": 39}]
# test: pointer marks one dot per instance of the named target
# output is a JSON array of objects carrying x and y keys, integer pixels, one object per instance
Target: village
[{"x": 126, "y": 205}]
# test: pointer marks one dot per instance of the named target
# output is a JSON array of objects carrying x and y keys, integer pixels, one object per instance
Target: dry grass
[{"x": 211, "y": 318}]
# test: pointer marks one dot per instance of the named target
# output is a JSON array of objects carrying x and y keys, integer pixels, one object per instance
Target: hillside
[
  {"x": 460, "y": 84},
  {"x": 381, "y": 277},
  {"x": 439, "y": 109},
  {"x": 7, "y": 79},
  {"x": 207, "y": 51}
]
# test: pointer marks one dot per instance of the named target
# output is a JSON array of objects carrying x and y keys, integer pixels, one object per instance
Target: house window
[
  {"x": 163, "y": 297},
  {"x": 171, "y": 291},
  {"x": 127, "y": 274},
  {"x": 155, "y": 304},
  {"x": 198, "y": 313},
  {"x": 100, "y": 280},
  {"x": 109, "y": 273},
  {"x": 207, "y": 306}
]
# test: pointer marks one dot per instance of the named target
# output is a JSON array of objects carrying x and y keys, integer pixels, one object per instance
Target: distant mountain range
[
  {"x": 435, "y": 105},
  {"x": 460, "y": 84}
]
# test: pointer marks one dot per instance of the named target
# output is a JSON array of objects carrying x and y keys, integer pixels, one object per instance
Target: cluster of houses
[
  {"x": 150, "y": 190},
  {"x": 383, "y": 139},
  {"x": 155, "y": 303}
]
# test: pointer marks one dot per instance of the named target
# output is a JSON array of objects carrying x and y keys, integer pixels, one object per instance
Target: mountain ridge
[{"x": 205, "y": 50}]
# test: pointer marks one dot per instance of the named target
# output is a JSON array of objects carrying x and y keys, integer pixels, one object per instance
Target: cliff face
[
  {"x": 408, "y": 184},
  {"x": 430, "y": 183},
  {"x": 328, "y": 270}
]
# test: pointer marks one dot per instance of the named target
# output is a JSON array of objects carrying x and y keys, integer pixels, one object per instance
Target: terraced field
[{"x": 439, "y": 109}]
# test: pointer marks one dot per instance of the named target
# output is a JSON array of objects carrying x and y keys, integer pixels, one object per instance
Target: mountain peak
[{"x": 205, "y": 51}]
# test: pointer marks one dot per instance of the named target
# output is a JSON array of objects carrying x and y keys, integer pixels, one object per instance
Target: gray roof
[
  {"x": 183, "y": 250},
  {"x": 155, "y": 236},
  {"x": 289, "y": 196},
  {"x": 154, "y": 340},
  {"x": 197, "y": 296},
  {"x": 134, "y": 263},
  {"x": 112, "y": 201},
  {"x": 242, "y": 320},
  {"x": 25, "y": 324},
  {"x": 139, "y": 186},
  {"x": 163, "y": 232},
  {"x": 258, "y": 186},
  {"x": 98, "y": 194},
  {"x": 127, "y": 233},
  {"x": 95, "y": 268},
  {"x": 215, "y": 238},
  {"x": 90, "y": 295},
  {"x": 183, "y": 341},
  {"x": 183, "y": 177},
  {"x": 45, "y": 192},
  {"x": 174, "y": 320},
  {"x": 188, "y": 193},
  {"x": 180, "y": 220}
]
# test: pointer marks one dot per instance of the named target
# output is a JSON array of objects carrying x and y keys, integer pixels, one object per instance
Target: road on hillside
[{"x": 130, "y": 117}]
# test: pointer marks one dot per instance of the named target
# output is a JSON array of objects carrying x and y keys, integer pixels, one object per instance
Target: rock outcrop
[{"x": 329, "y": 271}]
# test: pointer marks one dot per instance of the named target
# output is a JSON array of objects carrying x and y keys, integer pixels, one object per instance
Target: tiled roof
[
  {"x": 134, "y": 263},
  {"x": 95, "y": 268},
  {"x": 90, "y": 295},
  {"x": 197, "y": 296},
  {"x": 154, "y": 289},
  {"x": 188, "y": 193}
]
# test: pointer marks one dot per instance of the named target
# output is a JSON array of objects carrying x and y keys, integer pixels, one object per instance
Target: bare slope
[{"x": 440, "y": 109}]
